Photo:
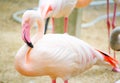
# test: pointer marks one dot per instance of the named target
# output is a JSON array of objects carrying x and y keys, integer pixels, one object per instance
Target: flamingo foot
[{"x": 116, "y": 70}]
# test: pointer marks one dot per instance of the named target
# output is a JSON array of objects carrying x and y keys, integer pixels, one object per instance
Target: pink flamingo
[
  {"x": 56, "y": 55},
  {"x": 115, "y": 39},
  {"x": 60, "y": 8}
]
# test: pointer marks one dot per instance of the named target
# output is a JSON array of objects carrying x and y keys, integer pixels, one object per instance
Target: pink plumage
[{"x": 56, "y": 55}]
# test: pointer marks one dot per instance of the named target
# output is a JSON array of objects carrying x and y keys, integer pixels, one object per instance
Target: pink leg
[
  {"x": 65, "y": 24},
  {"x": 114, "y": 54},
  {"x": 53, "y": 26},
  {"x": 54, "y": 81},
  {"x": 66, "y": 81},
  {"x": 114, "y": 16},
  {"x": 113, "y": 21},
  {"x": 108, "y": 23}
]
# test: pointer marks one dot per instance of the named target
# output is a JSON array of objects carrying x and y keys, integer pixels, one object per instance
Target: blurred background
[{"x": 95, "y": 35}]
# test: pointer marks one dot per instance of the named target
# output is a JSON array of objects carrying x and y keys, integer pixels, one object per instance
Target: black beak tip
[{"x": 30, "y": 44}]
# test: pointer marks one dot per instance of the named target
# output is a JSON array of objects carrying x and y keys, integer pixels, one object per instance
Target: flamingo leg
[
  {"x": 54, "y": 81},
  {"x": 66, "y": 81},
  {"x": 114, "y": 21},
  {"x": 108, "y": 23},
  {"x": 114, "y": 16},
  {"x": 65, "y": 24},
  {"x": 53, "y": 26},
  {"x": 114, "y": 54}
]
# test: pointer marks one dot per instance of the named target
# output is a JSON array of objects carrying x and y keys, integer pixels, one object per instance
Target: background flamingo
[
  {"x": 63, "y": 56},
  {"x": 116, "y": 2},
  {"x": 115, "y": 39},
  {"x": 56, "y": 9}
]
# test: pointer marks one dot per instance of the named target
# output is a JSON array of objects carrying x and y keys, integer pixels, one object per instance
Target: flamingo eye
[{"x": 49, "y": 9}]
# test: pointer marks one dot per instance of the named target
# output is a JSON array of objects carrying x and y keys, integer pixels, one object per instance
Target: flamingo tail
[{"x": 109, "y": 59}]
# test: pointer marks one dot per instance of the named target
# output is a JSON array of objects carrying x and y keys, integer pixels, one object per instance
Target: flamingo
[
  {"x": 60, "y": 8},
  {"x": 56, "y": 55},
  {"x": 115, "y": 39},
  {"x": 116, "y": 2}
]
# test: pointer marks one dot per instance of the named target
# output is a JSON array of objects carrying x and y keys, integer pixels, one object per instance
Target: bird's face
[
  {"x": 46, "y": 10},
  {"x": 28, "y": 19},
  {"x": 27, "y": 22}
]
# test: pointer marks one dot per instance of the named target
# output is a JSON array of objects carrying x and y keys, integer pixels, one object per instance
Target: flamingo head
[
  {"x": 46, "y": 10},
  {"x": 28, "y": 19}
]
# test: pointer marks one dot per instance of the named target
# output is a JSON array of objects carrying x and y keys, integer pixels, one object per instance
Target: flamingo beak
[
  {"x": 26, "y": 34},
  {"x": 46, "y": 11}
]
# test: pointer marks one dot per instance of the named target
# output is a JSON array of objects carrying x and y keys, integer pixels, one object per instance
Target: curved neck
[
  {"x": 23, "y": 58},
  {"x": 36, "y": 37},
  {"x": 40, "y": 27},
  {"x": 39, "y": 33},
  {"x": 40, "y": 22},
  {"x": 35, "y": 17}
]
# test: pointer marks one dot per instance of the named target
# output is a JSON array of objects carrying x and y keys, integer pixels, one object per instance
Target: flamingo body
[
  {"x": 57, "y": 9},
  {"x": 115, "y": 39},
  {"x": 60, "y": 8},
  {"x": 57, "y": 55}
]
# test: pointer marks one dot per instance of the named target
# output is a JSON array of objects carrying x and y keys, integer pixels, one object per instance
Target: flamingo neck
[
  {"x": 40, "y": 27},
  {"x": 27, "y": 58},
  {"x": 38, "y": 36}
]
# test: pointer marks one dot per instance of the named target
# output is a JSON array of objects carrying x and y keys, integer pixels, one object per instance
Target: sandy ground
[{"x": 10, "y": 42}]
